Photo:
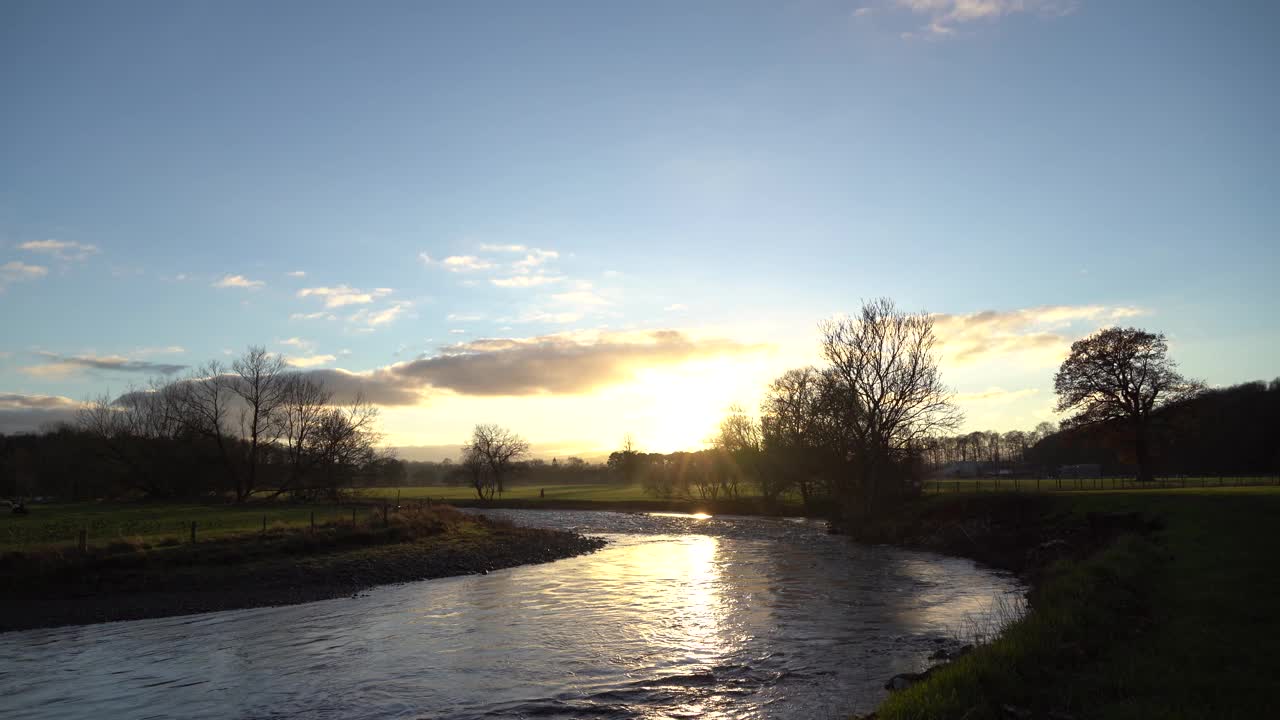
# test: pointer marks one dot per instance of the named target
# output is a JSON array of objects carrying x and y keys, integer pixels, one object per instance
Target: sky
[{"x": 583, "y": 220}]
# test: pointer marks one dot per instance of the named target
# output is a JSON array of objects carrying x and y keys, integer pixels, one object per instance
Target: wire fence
[{"x": 1111, "y": 482}]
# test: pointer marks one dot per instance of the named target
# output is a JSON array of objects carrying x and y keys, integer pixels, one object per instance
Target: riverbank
[
  {"x": 123, "y": 581},
  {"x": 1143, "y": 604}
]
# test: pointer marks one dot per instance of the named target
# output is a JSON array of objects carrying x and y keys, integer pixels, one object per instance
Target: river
[{"x": 678, "y": 617}]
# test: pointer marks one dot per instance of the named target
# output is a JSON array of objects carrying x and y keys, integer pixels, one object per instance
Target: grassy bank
[
  {"x": 1168, "y": 616},
  {"x": 59, "y": 584}
]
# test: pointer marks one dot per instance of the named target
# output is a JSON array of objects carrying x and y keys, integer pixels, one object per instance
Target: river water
[{"x": 678, "y": 617}]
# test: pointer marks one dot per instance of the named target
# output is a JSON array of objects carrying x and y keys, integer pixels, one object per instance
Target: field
[
  {"x": 60, "y": 524},
  {"x": 993, "y": 484},
  {"x": 1179, "y": 625}
]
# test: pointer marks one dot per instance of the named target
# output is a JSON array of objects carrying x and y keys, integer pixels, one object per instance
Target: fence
[{"x": 1113, "y": 482}]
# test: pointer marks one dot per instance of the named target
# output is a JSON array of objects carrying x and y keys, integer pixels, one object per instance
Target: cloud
[
  {"x": 863, "y": 12},
  {"x": 313, "y": 316},
  {"x": 308, "y": 361},
  {"x": 64, "y": 250},
  {"x": 676, "y": 307},
  {"x": 238, "y": 281},
  {"x": 341, "y": 295},
  {"x": 297, "y": 342},
  {"x": 28, "y": 413},
  {"x": 458, "y": 263},
  {"x": 535, "y": 258},
  {"x": 526, "y": 281},
  {"x": 17, "y": 271},
  {"x": 61, "y": 366},
  {"x": 944, "y": 15},
  {"x": 503, "y": 248},
  {"x": 374, "y": 318},
  {"x": 995, "y": 395},
  {"x": 567, "y": 363},
  {"x": 464, "y": 317},
  {"x": 1040, "y": 334},
  {"x": 297, "y": 273}
]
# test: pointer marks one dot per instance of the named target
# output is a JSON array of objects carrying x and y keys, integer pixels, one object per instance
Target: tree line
[{"x": 254, "y": 427}]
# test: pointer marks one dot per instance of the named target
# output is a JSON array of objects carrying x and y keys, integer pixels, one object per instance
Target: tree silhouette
[{"x": 1121, "y": 374}]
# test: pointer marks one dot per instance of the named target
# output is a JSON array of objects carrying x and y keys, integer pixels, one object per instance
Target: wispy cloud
[
  {"x": 502, "y": 248},
  {"x": 526, "y": 281},
  {"x": 943, "y": 16},
  {"x": 17, "y": 271},
  {"x": 458, "y": 263},
  {"x": 1041, "y": 335},
  {"x": 64, "y": 250},
  {"x": 61, "y": 366},
  {"x": 297, "y": 274},
  {"x": 375, "y": 318},
  {"x": 342, "y": 295},
  {"x": 995, "y": 395},
  {"x": 238, "y": 281},
  {"x": 309, "y": 361},
  {"x": 321, "y": 315}
]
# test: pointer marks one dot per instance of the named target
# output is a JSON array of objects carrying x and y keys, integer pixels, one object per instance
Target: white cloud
[
  {"x": 341, "y": 295},
  {"x": 65, "y": 250},
  {"x": 526, "y": 281},
  {"x": 535, "y": 258},
  {"x": 238, "y": 281},
  {"x": 17, "y": 271},
  {"x": 297, "y": 342},
  {"x": 464, "y": 317},
  {"x": 944, "y": 15},
  {"x": 297, "y": 273},
  {"x": 460, "y": 263},
  {"x": 313, "y": 316},
  {"x": 1041, "y": 335},
  {"x": 309, "y": 361},
  {"x": 375, "y": 318},
  {"x": 503, "y": 248}
]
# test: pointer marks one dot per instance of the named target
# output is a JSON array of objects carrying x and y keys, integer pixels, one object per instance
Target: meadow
[{"x": 1175, "y": 624}]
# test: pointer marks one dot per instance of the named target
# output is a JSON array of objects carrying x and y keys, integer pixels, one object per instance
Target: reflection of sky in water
[{"x": 678, "y": 616}]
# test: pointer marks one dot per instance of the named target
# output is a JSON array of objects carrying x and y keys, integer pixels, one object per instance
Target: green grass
[
  {"x": 60, "y": 524},
  {"x": 1179, "y": 625}
]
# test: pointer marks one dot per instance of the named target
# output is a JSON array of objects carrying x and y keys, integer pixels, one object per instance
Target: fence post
[{"x": 193, "y": 532}]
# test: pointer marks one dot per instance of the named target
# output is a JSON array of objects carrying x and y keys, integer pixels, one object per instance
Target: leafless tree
[
  {"x": 345, "y": 440},
  {"x": 262, "y": 384},
  {"x": 500, "y": 448},
  {"x": 304, "y": 413},
  {"x": 884, "y": 361},
  {"x": 1121, "y": 374},
  {"x": 477, "y": 471}
]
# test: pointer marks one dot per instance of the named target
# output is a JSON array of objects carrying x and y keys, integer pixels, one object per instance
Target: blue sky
[{"x": 733, "y": 172}]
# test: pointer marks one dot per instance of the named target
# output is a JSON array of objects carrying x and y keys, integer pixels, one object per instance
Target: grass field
[
  {"x": 60, "y": 524},
  {"x": 1181, "y": 625}
]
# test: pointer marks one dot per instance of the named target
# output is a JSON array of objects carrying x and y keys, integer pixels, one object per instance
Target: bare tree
[
  {"x": 1121, "y": 374},
  {"x": 790, "y": 420},
  {"x": 262, "y": 384},
  {"x": 344, "y": 442},
  {"x": 303, "y": 415},
  {"x": 884, "y": 361},
  {"x": 500, "y": 448},
  {"x": 477, "y": 471}
]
